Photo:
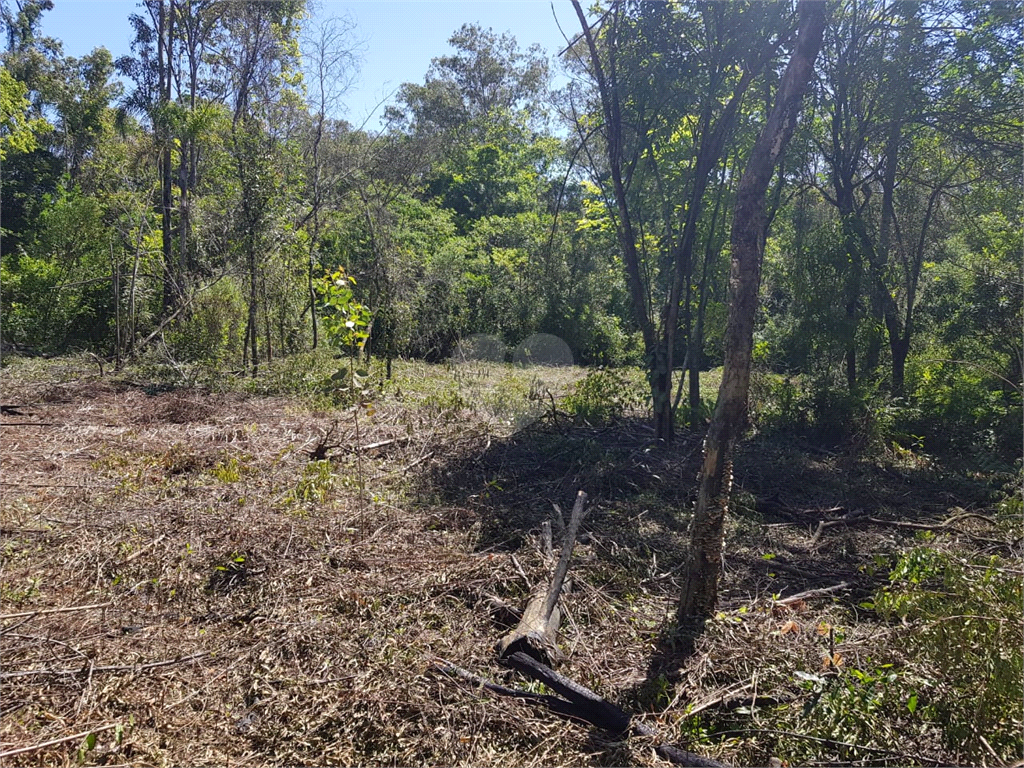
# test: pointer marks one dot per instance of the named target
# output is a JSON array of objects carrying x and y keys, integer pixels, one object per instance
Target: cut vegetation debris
[{"x": 184, "y": 583}]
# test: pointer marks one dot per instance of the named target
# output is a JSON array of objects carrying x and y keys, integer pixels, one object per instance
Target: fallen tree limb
[
  {"x": 553, "y": 703},
  {"x": 860, "y": 516},
  {"x": 93, "y": 670},
  {"x": 55, "y": 742},
  {"x": 536, "y": 633},
  {"x": 813, "y": 593},
  {"x": 383, "y": 443},
  {"x": 46, "y": 611},
  {"x": 587, "y": 705},
  {"x": 580, "y": 704},
  {"x": 591, "y": 707},
  {"x": 851, "y": 516}
]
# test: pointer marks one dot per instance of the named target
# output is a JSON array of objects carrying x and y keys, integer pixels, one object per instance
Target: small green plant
[
  {"x": 346, "y": 323},
  {"x": 228, "y": 471},
  {"x": 316, "y": 484},
  {"x": 605, "y": 395},
  {"x": 447, "y": 399},
  {"x": 11, "y": 593},
  {"x": 232, "y": 572}
]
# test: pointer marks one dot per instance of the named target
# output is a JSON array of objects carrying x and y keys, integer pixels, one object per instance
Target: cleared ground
[{"x": 218, "y": 578}]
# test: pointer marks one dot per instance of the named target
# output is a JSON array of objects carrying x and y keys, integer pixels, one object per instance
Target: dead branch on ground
[{"x": 536, "y": 634}]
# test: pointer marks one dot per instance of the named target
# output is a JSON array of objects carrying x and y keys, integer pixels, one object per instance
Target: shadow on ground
[{"x": 641, "y": 495}]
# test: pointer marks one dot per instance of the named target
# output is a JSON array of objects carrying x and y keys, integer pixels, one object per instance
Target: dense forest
[
  {"x": 199, "y": 215},
  {"x": 195, "y": 194}
]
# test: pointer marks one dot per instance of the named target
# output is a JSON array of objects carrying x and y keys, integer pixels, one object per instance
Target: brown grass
[{"x": 258, "y": 611}]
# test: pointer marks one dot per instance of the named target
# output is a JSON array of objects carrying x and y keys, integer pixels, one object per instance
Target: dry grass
[{"x": 257, "y": 608}]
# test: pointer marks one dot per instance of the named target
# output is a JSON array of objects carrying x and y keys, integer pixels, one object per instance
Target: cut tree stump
[{"x": 536, "y": 635}]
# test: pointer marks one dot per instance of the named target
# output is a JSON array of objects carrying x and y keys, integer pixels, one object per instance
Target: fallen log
[
  {"x": 580, "y": 704},
  {"x": 537, "y": 631}
]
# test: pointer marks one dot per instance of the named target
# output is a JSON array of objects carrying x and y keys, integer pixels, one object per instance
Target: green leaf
[{"x": 912, "y": 703}]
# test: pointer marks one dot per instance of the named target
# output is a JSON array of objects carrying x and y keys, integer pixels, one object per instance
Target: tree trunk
[
  {"x": 900, "y": 348},
  {"x": 165, "y": 32},
  {"x": 660, "y": 379},
  {"x": 700, "y": 589}
]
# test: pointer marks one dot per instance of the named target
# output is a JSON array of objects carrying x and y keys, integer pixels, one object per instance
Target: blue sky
[{"x": 399, "y": 37}]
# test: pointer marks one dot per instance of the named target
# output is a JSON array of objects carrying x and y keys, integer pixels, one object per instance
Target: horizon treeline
[{"x": 193, "y": 199}]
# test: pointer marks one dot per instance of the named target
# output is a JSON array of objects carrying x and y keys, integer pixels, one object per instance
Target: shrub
[
  {"x": 604, "y": 395},
  {"x": 211, "y": 333},
  {"x": 957, "y": 407},
  {"x": 965, "y": 645},
  {"x": 819, "y": 411}
]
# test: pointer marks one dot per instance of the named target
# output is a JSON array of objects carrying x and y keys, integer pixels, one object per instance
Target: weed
[
  {"x": 449, "y": 399},
  {"x": 316, "y": 484},
  {"x": 16, "y": 594},
  {"x": 232, "y": 573},
  {"x": 228, "y": 471}
]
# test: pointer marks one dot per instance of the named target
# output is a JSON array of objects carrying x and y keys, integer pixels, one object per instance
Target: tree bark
[
  {"x": 165, "y": 63},
  {"x": 747, "y": 239},
  {"x": 536, "y": 634}
]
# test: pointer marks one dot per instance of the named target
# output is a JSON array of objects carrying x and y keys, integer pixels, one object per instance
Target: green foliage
[
  {"x": 344, "y": 319},
  {"x": 316, "y": 484},
  {"x": 211, "y": 333},
  {"x": 805, "y": 326},
  {"x": 17, "y": 129},
  {"x": 57, "y": 291},
  {"x": 954, "y": 406},
  {"x": 346, "y": 324},
  {"x": 965, "y": 646},
  {"x": 818, "y": 410},
  {"x": 448, "y": 400},
  {"x": 953, "y": 674},
  {"x": 604, "y": 395},
  {"x": 228, "y": 470}
]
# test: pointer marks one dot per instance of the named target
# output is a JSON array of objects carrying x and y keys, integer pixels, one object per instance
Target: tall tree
[
  {"x": 330, "y": 64},
  {"x": 747, "y": 240},
  {"x": 259, "y": 59},
  {"x": 670, "y": 98},
  {"x": 153, "y": 71}
]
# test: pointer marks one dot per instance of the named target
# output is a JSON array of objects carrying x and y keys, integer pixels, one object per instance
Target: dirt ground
[{"x": 203, "y": 578}]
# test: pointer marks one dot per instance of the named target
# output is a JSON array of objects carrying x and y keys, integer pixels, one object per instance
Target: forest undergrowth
[{"x": 252, "y": 573}]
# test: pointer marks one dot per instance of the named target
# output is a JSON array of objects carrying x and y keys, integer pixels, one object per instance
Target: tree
[
  {"x": 330, "y": 63},
  {"x": 665, "y": 136},
  {"x": 486, "y": 75},
  {"x": 82, "y": 94},
  {"x": 17, "y": 129},
  {"x": 896, "y": 134},
  {"x": 259, "y": 57},
  {"x": 153, "y": 71},
  {"x": 747, "y": 240}
]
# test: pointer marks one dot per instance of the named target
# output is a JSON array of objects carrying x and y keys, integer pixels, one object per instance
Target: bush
[
  {"x": 956, "y": 407},
  {"x": 211, "y": 333},
  {"x": 951, "y": 674},
  {"x": 821, "y": 411},
  {"x": 965, "y": 647},
  {"x": 604, "y": 395}
]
